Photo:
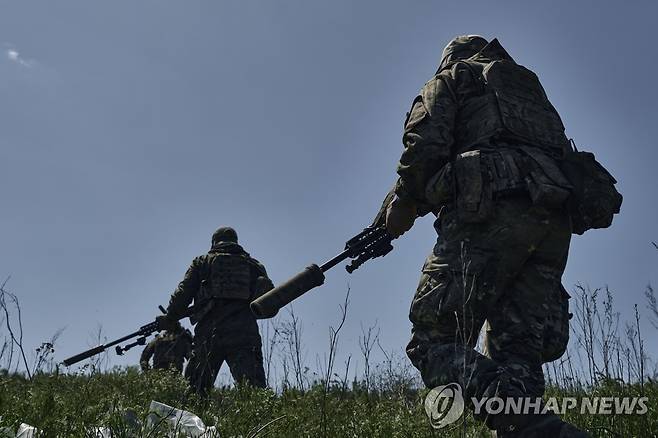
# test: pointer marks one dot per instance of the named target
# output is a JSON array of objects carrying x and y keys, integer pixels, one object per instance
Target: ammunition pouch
[
  {"x": 547, "y": 185},
  {"x": 473, "y": 187},
  {"x": 594, "y": 199},
  {"x": 476, "y": 179}
]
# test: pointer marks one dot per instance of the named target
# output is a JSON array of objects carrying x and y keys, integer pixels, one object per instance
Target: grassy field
[
  {"x": 606, "y": 358},
  {"x": 69, "y": 405}
]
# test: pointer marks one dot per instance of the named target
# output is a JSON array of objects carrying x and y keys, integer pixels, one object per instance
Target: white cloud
[{"x": 14, "y": 56}]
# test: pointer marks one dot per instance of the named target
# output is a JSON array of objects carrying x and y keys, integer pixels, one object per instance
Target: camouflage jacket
[{"x": 456, "y": 104}]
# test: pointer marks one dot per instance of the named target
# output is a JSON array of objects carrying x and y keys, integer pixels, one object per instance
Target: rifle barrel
[
  {"x": 97, "y": 350},
  {"x": 84, "y": 355},
  {"x": 334, "y": 261},
  {"x": 144, "y": 330}
]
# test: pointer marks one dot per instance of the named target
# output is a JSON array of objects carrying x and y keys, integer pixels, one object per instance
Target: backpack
[{"x": 594, "y": 200}]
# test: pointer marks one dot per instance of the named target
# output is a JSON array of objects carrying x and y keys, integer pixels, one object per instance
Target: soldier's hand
[{"x": 400, "y": 216}]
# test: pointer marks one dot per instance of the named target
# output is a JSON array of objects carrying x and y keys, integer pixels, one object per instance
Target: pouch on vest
[
  {"x": 594, "y": 200},
  {"x": 474, "y": 194},
  {"x": 507, "y": 168},
  {"x": 547, "y": 185}
]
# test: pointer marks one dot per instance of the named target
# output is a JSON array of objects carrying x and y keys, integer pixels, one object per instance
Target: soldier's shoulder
[
  {"x": 257, "y": 265},
  {"x": 432, "y": 82},
  {"x": 201, "y": 259},
  {"x": 453, "y": 72},
  {"x": 437, "y": 86},
  {"x": 463, "y": 76}
]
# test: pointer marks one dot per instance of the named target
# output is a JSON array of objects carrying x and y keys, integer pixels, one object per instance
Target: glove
[
  {"x": 166, "y": 322},
  {"x": 400, "y": 216}
]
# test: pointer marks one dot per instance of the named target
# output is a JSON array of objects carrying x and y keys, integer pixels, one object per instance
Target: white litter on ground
[
  {"x": 179, "y": 422},
  {"x": 100, "y": 432},
  {"x": 27, "y": 431},
  {"x": 167, "y": 421}
]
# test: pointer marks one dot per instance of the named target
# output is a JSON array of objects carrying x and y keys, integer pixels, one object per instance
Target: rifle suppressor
[{"x": 268, "y": 305}]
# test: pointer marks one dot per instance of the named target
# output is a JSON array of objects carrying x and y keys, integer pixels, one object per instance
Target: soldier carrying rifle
[{"x": 223, "y": 282}]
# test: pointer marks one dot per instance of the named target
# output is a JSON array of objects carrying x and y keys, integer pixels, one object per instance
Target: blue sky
[{"x": 131, "y": 130}]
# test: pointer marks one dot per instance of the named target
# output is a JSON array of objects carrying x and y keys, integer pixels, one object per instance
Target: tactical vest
[
  {"x": 512, "y": 107},
  {"x": 229, "y": 277}
]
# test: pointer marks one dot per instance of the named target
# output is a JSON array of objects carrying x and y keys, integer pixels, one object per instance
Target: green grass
[{"x": 68, "y": 405}]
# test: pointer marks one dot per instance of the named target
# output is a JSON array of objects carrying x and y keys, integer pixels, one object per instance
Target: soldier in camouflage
[
  {"x": 482, "y": 148},
  {"x": 168, "y": 350},
  {"x": 222, "y": 282}
]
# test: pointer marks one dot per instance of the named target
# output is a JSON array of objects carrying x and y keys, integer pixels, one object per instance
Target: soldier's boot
[
  {"x": 511, "y": 425},
  {"x": 503, "y": 386},
  {"x": 548, "y": 426}
]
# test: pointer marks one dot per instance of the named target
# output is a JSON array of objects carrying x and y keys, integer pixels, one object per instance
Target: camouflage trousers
[
  {"x": 505, "y": 271},
  {"x": 245, "y": 362}
]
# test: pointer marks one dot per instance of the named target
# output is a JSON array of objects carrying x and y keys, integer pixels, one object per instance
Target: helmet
[
  {"x": 224, "y": 234},
  {"x": 461, "y": 47}
]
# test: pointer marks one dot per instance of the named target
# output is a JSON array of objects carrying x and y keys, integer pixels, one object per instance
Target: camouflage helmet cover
[
  {"x": 461, "y": 47},
  {"x": 225, "y": 234}
]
